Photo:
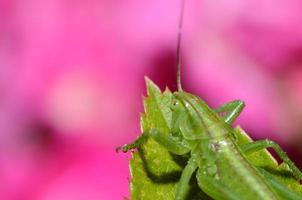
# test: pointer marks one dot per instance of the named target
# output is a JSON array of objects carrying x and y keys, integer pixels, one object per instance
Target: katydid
[{"x": 222, "y": 169}]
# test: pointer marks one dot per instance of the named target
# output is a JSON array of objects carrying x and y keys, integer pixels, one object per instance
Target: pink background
[{"x": 72, "y": 80}]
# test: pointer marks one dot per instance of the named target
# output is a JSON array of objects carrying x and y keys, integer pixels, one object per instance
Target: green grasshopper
[{"x": 222, "y": 169}]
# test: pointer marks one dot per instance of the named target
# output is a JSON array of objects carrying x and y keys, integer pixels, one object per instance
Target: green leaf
[{"x": 157, "y": 109}]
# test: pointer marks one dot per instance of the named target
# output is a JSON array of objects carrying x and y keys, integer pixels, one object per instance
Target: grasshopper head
[
  {"x": 187, "y": 119},
  {"x": 178, "y": 113}
]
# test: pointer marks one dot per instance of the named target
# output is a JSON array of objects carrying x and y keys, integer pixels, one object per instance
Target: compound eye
[{"x": 175, "y": 104}]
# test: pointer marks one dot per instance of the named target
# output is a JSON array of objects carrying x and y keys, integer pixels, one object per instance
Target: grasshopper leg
[
  {"x": 165, "y": 140},
  {"x": 231, "y": 110},
  {"x": 168, "y": 142},
  {"x": 263, "y": 144},
  {"x": 137, "y": 143},
  {"x": 186, "y": 175}
]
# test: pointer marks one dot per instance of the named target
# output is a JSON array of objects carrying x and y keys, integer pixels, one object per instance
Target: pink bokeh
[{"x": 72, "y": 80}]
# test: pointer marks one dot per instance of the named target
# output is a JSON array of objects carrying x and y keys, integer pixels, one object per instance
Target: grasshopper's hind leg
[
  {"x": 263, "y": 144},
  {"x": 231, "y": 110}
]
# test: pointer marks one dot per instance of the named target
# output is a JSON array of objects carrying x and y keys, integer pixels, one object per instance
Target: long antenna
[{"x": 178, "y": 48}]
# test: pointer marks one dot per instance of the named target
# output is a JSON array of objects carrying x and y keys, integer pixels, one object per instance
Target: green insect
[{"x": 222, "y": 169}]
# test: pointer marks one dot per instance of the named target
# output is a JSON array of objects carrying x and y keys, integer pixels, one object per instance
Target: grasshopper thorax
[{"x": 193, "y": 118}]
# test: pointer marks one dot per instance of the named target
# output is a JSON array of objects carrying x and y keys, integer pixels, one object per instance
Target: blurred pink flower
[{"x": 71, "y": 82}]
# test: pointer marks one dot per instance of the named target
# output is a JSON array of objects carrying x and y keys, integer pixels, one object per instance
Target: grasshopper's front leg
[
  {"x": 168, "y": 142},
  {"x": 136, "y": 144},
  {"x": 163, "y": 139},
  {"x": 231, "y": 110},
  {"x": 263, "y": 144},
  {"x": 186, "y": 175}
]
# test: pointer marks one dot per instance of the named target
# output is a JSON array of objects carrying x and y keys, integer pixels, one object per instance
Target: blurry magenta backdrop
[{"x": 72, "y": 80}]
